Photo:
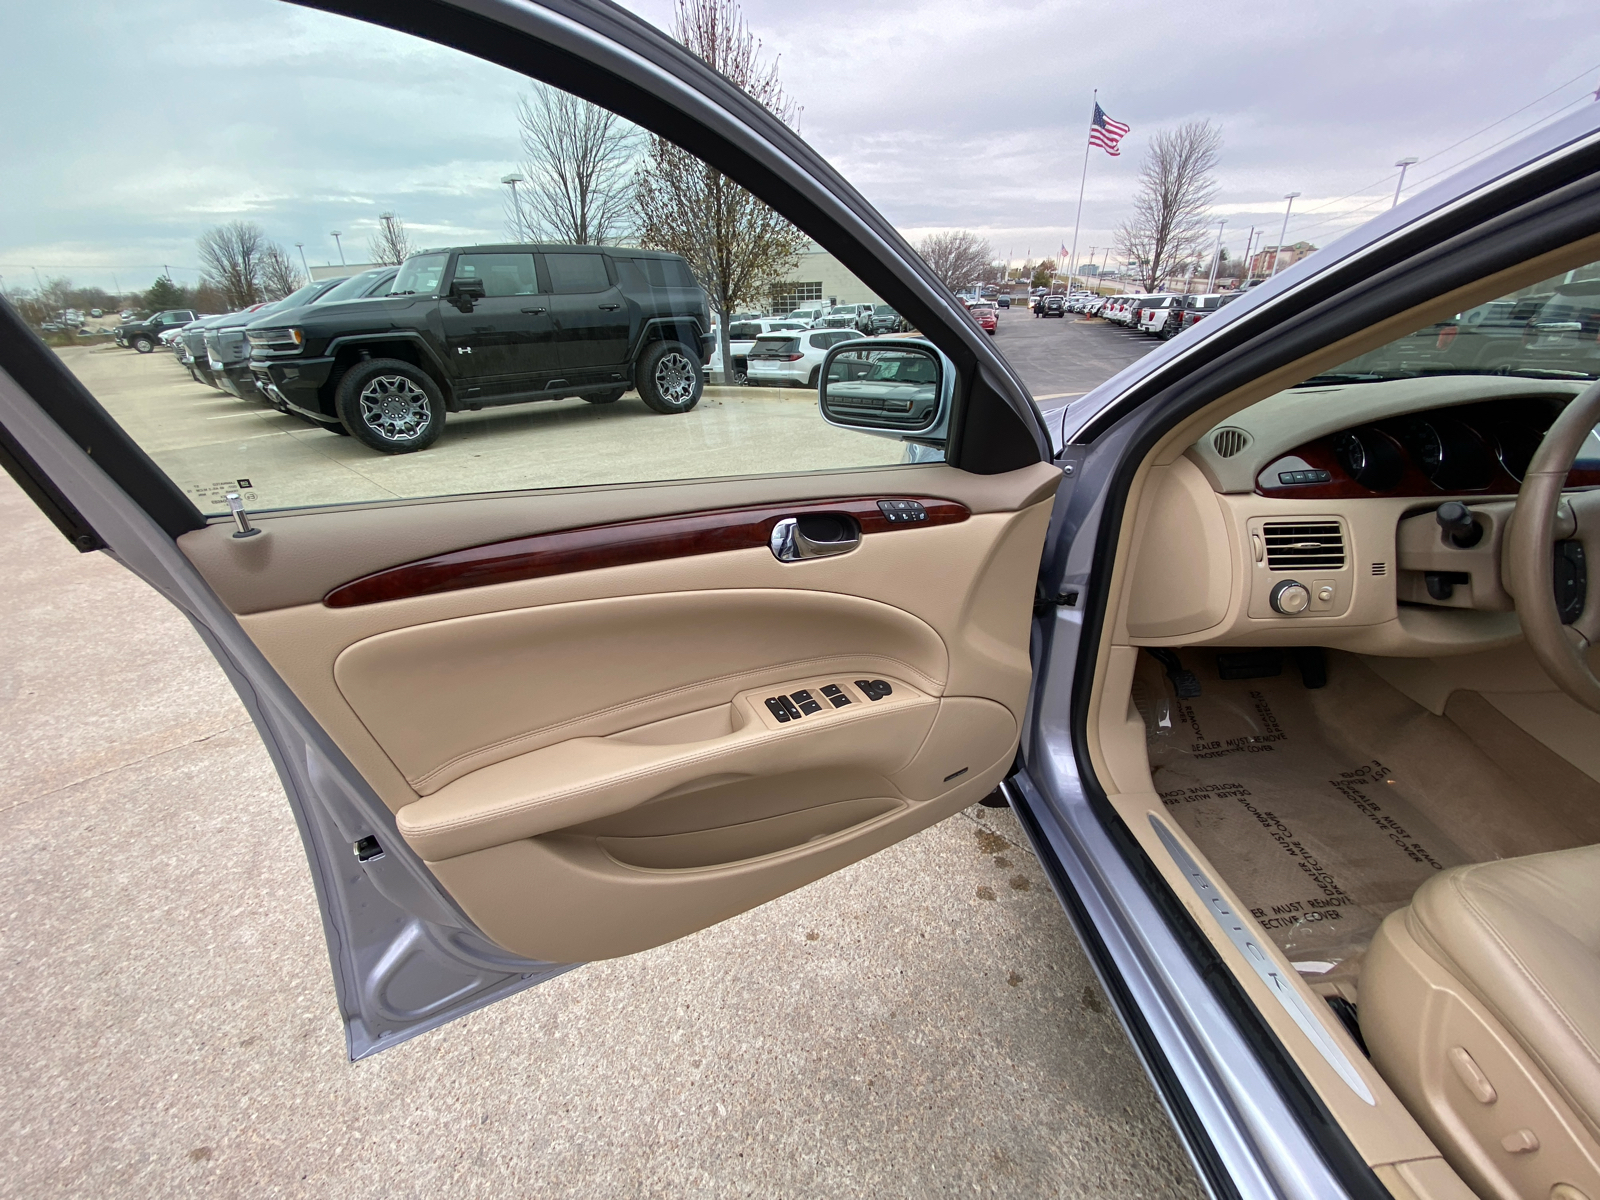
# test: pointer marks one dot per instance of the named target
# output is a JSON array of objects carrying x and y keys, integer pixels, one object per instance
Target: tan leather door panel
[
  {"x": 586, "y": 759},
  {"x": 446, "y": 697}
]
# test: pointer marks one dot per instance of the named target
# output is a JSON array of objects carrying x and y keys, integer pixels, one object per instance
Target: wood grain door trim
[{"x": 592, "y": 547}]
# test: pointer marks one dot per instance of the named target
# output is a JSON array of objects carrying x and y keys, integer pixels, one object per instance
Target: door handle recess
[
  {"x": 533, "y": 310},
  {"x": 609, "y": 307},
  {"x": 795, "y": 539}
]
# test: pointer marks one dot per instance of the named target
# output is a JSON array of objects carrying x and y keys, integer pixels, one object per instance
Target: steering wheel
[{"x": 1543, "y": 517}]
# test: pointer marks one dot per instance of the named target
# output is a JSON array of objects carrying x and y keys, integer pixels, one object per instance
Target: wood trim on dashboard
[{"x": 626, "y": 542}]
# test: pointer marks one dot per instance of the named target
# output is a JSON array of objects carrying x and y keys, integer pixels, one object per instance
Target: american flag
[{"x": 1106, "y": 133}]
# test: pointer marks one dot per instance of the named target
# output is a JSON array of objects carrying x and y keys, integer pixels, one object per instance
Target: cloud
[{"x": 158, "y": 119}]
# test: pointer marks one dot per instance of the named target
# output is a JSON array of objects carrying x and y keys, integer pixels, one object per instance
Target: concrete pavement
[{"x": 921, "y": 1024}]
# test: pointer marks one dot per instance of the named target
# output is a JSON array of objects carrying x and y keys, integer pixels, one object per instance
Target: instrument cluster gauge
[
  {"x": 1449, "y": 453},
  {"x": 1515, "y": 445},
  {"x": 1370, "y": 457}
]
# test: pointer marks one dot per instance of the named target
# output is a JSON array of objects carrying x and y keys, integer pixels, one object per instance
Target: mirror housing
[
  {"x": 464, "y": 293},
  {"x": 892, "y": 386}
]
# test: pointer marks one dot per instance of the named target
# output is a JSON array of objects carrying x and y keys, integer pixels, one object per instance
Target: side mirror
[
  {"x": 888, "y": 386},
  {"x": 464, "y": 293}
]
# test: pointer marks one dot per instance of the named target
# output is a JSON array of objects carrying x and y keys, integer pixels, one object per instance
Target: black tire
[
  {"x": 606, "y": 397},
  {"x": 144, "y": 343},
  {"x": 811, "y": 380},
  {"x": 390, "y": 405},
  {"x": 669, "y": 378}
]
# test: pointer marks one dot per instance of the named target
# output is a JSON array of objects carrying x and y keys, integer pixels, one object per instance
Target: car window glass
[
  {"x": 502, "y": 274},
  {"x": 419, "y": 275},
  {"x": 577, "y": 272},
  {"x": 412, "y": 393}
]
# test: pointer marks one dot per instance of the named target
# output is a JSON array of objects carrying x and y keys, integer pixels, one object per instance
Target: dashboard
[{"x": 1480, "y": 448}]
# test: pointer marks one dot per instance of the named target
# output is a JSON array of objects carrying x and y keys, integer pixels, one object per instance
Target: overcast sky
[{"x": 132, "y": 126}]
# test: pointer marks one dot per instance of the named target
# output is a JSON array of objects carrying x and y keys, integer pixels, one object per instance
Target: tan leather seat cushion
[{"x": 1524, "y": 935}]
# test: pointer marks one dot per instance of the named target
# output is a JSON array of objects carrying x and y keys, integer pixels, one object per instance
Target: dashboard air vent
[
  {"x": 1303, "y": 545},
  {"x": 1228, "y": 442}
]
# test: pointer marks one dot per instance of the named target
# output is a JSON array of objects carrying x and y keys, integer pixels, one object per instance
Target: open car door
[{"x": 527, "y": 718}]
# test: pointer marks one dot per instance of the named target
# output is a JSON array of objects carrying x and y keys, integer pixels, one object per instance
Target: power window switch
[
  {"x": 840, "y": 700},
  {"x": 790, "y": 707},
  {"x": 807, "y": 705},
  {"x": 830, "y": 690},
  {"x": 776, "y": 708}
]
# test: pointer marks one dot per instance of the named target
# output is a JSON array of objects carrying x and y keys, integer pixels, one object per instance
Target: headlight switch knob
[{"x": 1291, "y": 597}]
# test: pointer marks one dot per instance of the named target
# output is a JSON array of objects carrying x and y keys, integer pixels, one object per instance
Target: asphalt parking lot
[{"x": 921, "y": 1024}]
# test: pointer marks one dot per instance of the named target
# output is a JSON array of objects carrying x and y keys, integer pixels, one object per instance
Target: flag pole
[{"x": 1082, "y": 182}]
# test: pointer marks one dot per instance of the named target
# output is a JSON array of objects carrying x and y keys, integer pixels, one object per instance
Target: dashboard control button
[{"x": 1290, "y": 597}]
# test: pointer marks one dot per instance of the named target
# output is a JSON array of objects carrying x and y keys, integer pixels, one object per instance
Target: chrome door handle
[
  {"x": 533, "y": 310},
  {"x": 609, "y": 307},
  {"x": 789, "y": 544}
]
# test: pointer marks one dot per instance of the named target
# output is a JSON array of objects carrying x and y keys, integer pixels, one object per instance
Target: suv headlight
[{"x": 278, "y": 340}]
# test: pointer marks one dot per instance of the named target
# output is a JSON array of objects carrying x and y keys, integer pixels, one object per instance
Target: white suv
[
  {"x": 741, "y": 336},
  {"x": 793, "y": 359}
]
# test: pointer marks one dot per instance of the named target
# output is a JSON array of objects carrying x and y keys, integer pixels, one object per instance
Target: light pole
[
  {"x": 1211, "y": 279},
  {"x": 1283, "y": 233},
  {"x": 1402, "y": 164},
  {"x": 301, "y": 246},
  {"x": 516, "y": 205},
  {"x": 1249, "y": 269},
  {"x": 339, "y": 244}
]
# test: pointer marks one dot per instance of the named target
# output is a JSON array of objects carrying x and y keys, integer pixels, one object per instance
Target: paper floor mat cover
[{"x": 1319, "y": 840}]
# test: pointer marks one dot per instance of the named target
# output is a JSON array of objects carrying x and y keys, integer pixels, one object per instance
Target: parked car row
[
  {"x": 1163, "y": 315},
  {"x": 872, "y": 320},
  {"x": 383, "y": 355}
]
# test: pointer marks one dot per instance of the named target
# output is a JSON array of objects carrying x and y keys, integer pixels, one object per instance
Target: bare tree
[
  {"x": 736, "y": 245},
  {"x": 579, "y": 170},
  {"x": 1171, "y": 209},
  {"x": 230, "y": 256},
  {"x": 391, "y": 244},
  {"x": 279, "y": 274},
  {"x": 958, "y": 257}
]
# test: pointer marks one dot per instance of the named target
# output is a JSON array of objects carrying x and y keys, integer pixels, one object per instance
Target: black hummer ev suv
[{"x": 476, "y": 326}]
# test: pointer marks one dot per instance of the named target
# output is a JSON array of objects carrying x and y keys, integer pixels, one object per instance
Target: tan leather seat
[{"x": 1480, "y": 1004}]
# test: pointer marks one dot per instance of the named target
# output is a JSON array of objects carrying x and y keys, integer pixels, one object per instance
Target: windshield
[
  {"x": 1547, "y": 330},
  {"x": 296, "y": 298},
  {"x": 420, "y": 275},
  {"x": 353, "y": 288}
]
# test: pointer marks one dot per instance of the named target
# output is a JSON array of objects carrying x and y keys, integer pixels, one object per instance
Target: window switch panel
[{"x": 776, "y": 708}]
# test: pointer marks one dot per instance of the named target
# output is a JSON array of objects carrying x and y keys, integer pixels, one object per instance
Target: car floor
[{"x": 1324, "y": 808}]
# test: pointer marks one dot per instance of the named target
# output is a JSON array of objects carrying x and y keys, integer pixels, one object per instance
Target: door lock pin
[{"x": 240, "y": 520}]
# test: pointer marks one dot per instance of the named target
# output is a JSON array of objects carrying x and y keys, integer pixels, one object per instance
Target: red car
[{"x": 987, "y": 314}]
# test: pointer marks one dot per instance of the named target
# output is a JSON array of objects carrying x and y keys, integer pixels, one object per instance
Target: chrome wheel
[
  {"x": 395, "y": 408},
  {"x": 674, "y": 378}
]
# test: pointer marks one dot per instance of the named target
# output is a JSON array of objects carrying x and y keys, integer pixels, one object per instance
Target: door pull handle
[
  {"x": 829, "y": 535},
  {"x": 533, "y": 310},
  {"x": 609, "y": 307}
]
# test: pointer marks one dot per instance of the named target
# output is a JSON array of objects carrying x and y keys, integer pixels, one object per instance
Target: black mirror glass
[{"x": 878, "y": 386}]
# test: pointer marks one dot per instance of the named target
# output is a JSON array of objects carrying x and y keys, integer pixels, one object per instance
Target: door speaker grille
[{"x": 1303, "y": 545}]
